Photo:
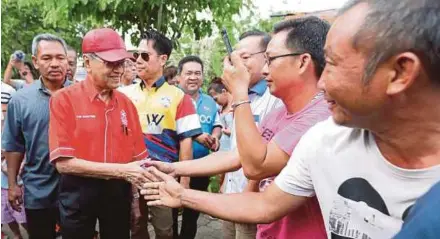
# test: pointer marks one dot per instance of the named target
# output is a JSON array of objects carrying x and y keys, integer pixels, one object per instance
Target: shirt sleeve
[
  {"x": 140, "y": 151},
  {"x": 61, "y": 127},
  {"x": 12, "y": 136},
  {"x": 296, "y": 178},
  {"x": 217, "y": 122},
  {"x": 187, "y": 120},
  {"x": 18, "y": 84},
  {"x": 289, "y": 137}
]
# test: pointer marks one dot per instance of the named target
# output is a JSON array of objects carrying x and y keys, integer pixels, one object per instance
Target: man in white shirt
[{"x": 379, "y": 152}]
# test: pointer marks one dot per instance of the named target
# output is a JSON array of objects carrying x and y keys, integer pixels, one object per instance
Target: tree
[
  {"x": 21, "y": 23},
  {"x": 134, "y": 17}
]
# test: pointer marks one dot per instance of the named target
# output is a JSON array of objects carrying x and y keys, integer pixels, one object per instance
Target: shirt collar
[
  {"x": 43, "y": 88},
  {"x": 159, "y": 83},
  {"x": 259, "y": 88},
  {"x": 92, "y": 92}
]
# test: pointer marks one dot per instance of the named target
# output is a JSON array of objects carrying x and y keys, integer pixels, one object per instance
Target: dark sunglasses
[
  {"x": 145, "y": 56},
  {"x": 110, "y": 64}
]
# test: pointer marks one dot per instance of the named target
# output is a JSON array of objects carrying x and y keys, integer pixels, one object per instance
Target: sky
[{"x": 267, "y": 7}]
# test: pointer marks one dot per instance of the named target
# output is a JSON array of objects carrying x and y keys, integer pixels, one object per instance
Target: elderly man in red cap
[{"x": 96, "y": 143}]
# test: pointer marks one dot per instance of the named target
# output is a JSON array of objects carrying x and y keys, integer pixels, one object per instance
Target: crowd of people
[{"x": 317, "y": 130}]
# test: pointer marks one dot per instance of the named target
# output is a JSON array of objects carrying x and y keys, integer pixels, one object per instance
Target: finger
[
  {"x": 211, "y": 140},
  {"x": 152, "y": 197},
  {"x": 163, "y": 176},
  {"x": 151, "y": 192},
  {"x": 144, "y": 162},
  {"x": 152, "y": 185},
  {"x": 148, "y": 173},
  {"x": 16, "y": 206},
  {"x": 227, "y": 63},
  {"x": 155, "y": 203},
  {"x": 236, "y": 59}
]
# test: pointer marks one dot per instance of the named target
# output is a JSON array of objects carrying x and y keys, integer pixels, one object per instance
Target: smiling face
[
  {"x": 105, "y": 75},
  {"x": 51, "y": 61},
  {"x": 191, "y": 77},
  {"x": 352, "y": 102}
]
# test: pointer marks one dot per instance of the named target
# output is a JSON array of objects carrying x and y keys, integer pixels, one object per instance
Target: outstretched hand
[
  {"x": 137, "y": 174},
  {"x": 166, "y": 193}
]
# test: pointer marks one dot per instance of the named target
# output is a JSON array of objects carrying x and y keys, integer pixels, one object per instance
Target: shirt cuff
[
  {"x": 65, "y": 152},
  {"x": 140, "y": 156}
]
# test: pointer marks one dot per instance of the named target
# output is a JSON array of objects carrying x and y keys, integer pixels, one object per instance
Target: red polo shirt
[{"x": 83, "y": 126}]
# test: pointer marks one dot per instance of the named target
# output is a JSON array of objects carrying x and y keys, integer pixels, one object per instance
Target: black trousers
[
  {"x": 189, "y": 216},
  {"x": 83, "y": 201},
  {"x": 41, "y": 223}
]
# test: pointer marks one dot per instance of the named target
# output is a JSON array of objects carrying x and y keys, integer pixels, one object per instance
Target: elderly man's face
[{"x": 352, "y": 102}]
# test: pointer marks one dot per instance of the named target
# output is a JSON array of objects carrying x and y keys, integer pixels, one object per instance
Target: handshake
[{"x": 156, "y": 181}]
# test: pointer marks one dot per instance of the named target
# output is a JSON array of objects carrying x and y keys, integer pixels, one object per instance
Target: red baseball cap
[{"x": 105, "y": 43}]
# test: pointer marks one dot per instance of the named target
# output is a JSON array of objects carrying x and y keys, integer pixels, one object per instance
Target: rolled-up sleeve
[
  {"x": 61, "y": 128},
  {"x": 12, "y": 136}
]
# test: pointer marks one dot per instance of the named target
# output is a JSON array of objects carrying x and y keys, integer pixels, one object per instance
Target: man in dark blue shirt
[
  {"x": 26, "y": 134},
  {"x": 423, "y": 220}
]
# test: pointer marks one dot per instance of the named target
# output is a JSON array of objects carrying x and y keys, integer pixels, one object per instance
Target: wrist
[
  {"x": 239, "y": 95},
  {"x": 182, "y": 197}
]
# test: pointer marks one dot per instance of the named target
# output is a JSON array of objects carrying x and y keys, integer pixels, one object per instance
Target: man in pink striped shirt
[{"x": 294, "y": 63}]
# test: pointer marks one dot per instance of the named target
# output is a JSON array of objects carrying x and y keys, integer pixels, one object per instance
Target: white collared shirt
[{"x": 261, "y": 105}]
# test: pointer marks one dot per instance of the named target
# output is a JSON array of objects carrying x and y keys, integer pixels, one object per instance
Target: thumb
[{"x": 237, "y": 61}]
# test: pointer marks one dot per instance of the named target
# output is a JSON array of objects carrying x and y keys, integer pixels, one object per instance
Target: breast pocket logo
[
  {"x": 205, "y": 119},
  {"x": 165, "y": 101}
]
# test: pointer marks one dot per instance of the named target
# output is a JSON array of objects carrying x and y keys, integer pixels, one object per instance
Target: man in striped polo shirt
[{"x": 168, "y": 120}]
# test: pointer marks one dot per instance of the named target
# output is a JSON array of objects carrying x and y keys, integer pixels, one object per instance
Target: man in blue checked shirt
[{"x": 190, "y": 70}]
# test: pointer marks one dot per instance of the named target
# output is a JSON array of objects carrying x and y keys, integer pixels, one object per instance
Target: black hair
[
  {"x": 217, "y": 85},
  {"x": 186, "y": 59},
  {"x": 264, "y": 40},
  {"x": 161, "y": 43},
  {"x": 306, "y": 35},
  {"x": 169, "y": 72}
]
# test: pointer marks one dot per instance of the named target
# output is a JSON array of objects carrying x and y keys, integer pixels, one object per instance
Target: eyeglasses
[
  {"x": 269, "y": 59},
  {"x": 144, "y": 55},
  {"x": 249, "y": 55},
  {"x": 257, "y": 53},
  {"x": 111, "y": 65}
]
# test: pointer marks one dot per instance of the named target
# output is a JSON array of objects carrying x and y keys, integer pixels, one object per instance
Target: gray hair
[
  {"x": 46, "y": 37},
  {"x": 396, "y": 26}
]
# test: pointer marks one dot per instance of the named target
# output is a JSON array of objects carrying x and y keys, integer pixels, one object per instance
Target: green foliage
[
  {"x": 134, "y": 17},
  {"x": 20, "y": 23}
]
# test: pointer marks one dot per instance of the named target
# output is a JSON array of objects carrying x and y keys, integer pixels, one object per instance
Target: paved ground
[{"x": 209, "y": 228}]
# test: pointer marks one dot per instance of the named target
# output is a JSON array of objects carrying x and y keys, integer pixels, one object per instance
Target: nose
[
  {"x": 55, "y": 63},
  {"x": 265, "y": 70},
  {"x": 321, "y": 83}
]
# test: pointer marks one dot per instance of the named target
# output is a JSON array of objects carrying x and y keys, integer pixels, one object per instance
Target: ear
[
  {"x": 34, "y": 61},
  {"x": 304, "y": 61},
  {"x": 87, "y": 63},
  {"x": 404, "y": 69},
  {"x": 163, "y": 60}
]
